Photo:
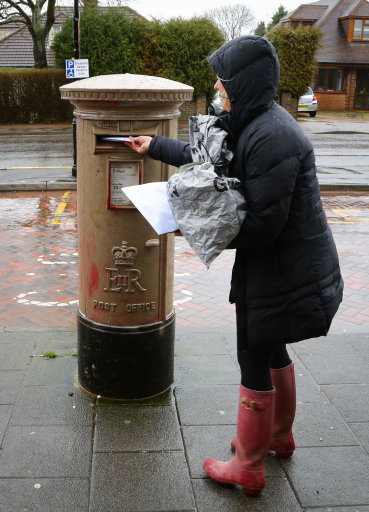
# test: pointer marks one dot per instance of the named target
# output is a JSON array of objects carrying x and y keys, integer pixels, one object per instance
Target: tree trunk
[
  {"x": 39, "y": 37},
  {"x": 39, "y": 54}
]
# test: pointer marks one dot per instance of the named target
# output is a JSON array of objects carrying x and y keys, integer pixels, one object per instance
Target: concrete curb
[
  {"x": 42, "y": 186},
  {"x": 35, "y": 132},
  {"x": 344, "y": 187}
]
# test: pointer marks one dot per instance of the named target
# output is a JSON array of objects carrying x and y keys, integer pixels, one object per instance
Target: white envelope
[
  {"x": 151, "y": 201},
  {"x": 117, "y": 138}
]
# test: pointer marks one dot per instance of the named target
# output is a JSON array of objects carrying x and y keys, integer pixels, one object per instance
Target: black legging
[{"x": 256, "y": 361}]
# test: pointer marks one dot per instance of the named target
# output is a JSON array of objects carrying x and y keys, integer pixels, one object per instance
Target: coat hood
[{"x": 248, "y": 68}]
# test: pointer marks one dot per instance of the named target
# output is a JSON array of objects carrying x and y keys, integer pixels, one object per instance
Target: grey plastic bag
[{"x": 207, "y": 205}]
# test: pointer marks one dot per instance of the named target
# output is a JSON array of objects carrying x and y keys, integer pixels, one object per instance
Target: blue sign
[
  {"x": 76, "y": 68},
  {"x": 69, "y": 65}
]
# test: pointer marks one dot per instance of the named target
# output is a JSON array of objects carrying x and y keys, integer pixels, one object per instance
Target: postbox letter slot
[{"x": 111, "y": 143}]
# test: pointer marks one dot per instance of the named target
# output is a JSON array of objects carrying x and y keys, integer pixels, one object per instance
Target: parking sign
[{"x": 77, "y": 68}]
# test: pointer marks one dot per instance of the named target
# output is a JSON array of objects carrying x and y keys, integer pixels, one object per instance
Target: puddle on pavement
[{"x": 38, "y": 209}]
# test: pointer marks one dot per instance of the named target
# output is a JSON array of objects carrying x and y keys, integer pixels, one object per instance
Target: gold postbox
[{"x": 125, "y": 316}]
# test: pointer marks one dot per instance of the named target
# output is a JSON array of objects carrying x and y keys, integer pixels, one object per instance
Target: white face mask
[{"x": 224, "y": 100}]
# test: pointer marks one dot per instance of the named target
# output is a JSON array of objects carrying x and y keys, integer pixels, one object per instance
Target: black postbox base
[{"x": 125, "y": 362}]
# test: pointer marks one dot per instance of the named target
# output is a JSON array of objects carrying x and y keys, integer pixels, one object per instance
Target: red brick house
[
  {"x": 16, "y": 46},
  {"x": 342, "y": 80}
]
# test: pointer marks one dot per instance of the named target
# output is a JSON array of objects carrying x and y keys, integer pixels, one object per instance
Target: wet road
[
  {"x": 39, "y": 274},
  {"x": 341, "y": 156},
  {"x": 35, "y": 150},
  {"x": 35, "y": 156}
]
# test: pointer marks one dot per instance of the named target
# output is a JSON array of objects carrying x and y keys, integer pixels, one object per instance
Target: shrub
[
  {"x": 185, "y": 48},
  {"x": 33, "y": 96},
  {"x": 106, "y": 42},
  {"x": 296, "y": 50},
  {"x": 63, "y": 44},
  {"x": 177, "y": 49}
]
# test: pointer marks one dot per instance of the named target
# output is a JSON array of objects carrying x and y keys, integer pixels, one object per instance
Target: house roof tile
[
  {"x": 16, "y": 49},
  {"x": 361, "y": 9},
  {"x": 335, "y": 47},
  {"x": 306, "y": 12}
]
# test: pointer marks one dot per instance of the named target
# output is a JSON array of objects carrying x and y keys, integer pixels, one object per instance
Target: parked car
[
  {"x": 215, "y": 106},
  {"x": 308, "y": 103}
]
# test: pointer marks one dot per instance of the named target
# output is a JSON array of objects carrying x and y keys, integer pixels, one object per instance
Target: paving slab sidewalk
[{"x": 64, "y": 451}]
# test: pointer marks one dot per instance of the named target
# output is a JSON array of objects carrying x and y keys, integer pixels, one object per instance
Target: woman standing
[{"x": 286, "y": 281}]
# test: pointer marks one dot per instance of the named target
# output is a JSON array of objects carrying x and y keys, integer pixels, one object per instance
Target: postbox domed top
[{"x": 127, "y": 87}]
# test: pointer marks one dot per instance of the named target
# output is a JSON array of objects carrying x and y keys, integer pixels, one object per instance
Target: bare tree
[
  {"x": 233, "y": 20},
  {"x": 29, "y": 13}
]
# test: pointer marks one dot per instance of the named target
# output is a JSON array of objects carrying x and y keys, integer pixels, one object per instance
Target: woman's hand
[{"x": 140, "y": 144}]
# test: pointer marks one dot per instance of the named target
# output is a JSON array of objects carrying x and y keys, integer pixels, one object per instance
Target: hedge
[
  {"x": 33, "y": 96},
  {"x": 177, "y": 49},
  {"x": 296, "y": 50}
]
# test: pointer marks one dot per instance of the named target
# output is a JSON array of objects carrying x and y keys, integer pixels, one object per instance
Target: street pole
[{"x": 76, "y": 56}]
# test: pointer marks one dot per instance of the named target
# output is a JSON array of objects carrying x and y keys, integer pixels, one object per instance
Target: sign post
[
  {"x": 76, "y": 53},
  {"x": 76, "y": 68}
]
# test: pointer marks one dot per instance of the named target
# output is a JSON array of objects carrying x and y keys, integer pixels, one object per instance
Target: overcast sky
[{"x": 263, "y": 9}]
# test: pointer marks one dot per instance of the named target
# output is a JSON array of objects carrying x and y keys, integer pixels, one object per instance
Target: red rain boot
[
  {"x": 285, "y": 407},
  {"x": 283, "y": 380},
  {"x": 254, "y": 436}
]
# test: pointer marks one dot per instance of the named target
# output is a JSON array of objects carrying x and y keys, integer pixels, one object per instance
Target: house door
[{"x": 362, "y": 90}]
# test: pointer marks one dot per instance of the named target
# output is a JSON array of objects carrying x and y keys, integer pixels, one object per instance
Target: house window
[
  {"x": 330, "y": 79},
  {"x": 366, "y": 30},
  {"x": 361, "y": 30},
  {"x": 55, "y": 29},
  {"x": 339, "y": 80}
]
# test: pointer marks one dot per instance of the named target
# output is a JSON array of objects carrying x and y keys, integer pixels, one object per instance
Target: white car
[{"x": 308, "y": 103}]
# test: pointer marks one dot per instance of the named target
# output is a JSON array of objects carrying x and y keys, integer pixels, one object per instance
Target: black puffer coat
[{"x": 286, "y": 273}]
